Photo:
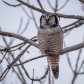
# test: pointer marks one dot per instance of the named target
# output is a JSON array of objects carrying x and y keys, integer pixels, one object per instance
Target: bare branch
[
  {"x": 81, "y": 65},
  {"x": 50, "y": 5},
  {"x": 80, "y": 73},
  {"x": 3, "y": 75},
  {"x": 49, "y": 77},
  {"x": 3, "y": 57},
  {"x": 78, "y": 60},
  {"x": 31, "y": 60},
  {"x": 63, "y": 5},
  {"x": 17, "y": 48},
  {"x": 82, "y": 1},
  {"x": 40, "y": 4},
  {"x": 46, "y": 72},
  {"x": 43, "y": 11},
  {"x": 14, "y": 70},
  {"x": 7, "y": 49},
  {"x": 56, "y": 6},
  {"x": 26, "y": 13},
  {"x": 16, "y": 59},
  {"x": 19, "y": 37},
  {"x": 65, "y": 50},
  {"x": 11, "y": 4},
  {"x": 67, "y": 33},
  {"x": 71, "y": 24},
  {"x": 34, "y": 18},
  {"x": 68, "y": 58},
  {"x": 21, "y": 21},
  {"x": 75, "y": 26},
  {"x": 25, "y": 27}
]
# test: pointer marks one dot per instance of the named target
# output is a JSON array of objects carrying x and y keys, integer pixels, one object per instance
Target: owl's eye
[{"x": 50, "y": 17}]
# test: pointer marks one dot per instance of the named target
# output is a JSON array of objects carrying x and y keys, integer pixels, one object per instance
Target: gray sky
[{"x": 9, "y": 21}]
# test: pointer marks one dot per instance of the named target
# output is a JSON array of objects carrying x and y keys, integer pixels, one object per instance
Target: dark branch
[
  {"x": 43, "y": 11},
  {"x": 19, "y": 37},
  {"x": 65, "y": 50},
  {"x": 11, "y": 4}
]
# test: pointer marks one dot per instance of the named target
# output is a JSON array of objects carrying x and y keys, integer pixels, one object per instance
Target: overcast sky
[{"x": 9, "y": 21}]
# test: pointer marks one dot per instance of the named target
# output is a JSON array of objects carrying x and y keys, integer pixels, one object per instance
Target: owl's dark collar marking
[
  {"x": 53, "y": 26},
  {"x": 41, "y": 27}
]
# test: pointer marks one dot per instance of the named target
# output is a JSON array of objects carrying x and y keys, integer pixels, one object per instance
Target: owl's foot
[{"x": 50, "y": 53}]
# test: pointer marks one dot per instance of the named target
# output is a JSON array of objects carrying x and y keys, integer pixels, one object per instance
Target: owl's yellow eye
[{"x": 50, "y": 17}]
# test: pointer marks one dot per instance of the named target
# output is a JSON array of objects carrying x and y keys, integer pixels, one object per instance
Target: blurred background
[{"x": 19, "y": 20}]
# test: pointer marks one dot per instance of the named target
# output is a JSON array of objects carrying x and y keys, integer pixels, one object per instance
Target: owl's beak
[{"x": 47, "y": 18}]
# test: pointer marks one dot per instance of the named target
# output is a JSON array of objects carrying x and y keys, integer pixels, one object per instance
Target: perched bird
[{"x": 50, "y": 40}]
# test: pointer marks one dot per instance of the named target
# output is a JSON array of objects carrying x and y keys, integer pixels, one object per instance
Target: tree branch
[
  {"x": 46, "y": 72},
  {"x": 75, "y": 26},
  {"x": 71, "y": 24},
  {"x": 65, "y": 50},
  {"x": 11, "y": 4},
  {"x": 43, "y": 11},
  {"x": 82, "y": 1},
  {"x": 40, "y": 4},
  {"x": 19, "y": 37}
]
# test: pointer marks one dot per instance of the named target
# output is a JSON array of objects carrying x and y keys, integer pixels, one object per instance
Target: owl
[{"x": 50, "y": 40}]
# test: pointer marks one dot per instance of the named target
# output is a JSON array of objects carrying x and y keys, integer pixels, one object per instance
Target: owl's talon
[{"x": 50, "y": 53}]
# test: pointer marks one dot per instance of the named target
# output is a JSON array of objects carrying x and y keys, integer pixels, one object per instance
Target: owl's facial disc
[{"x": 48, "y": 21}]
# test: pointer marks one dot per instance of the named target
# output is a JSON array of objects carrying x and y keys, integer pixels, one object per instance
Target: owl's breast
[
  {"x": 50, "y": 39},
  {"x": 47, "y": 32}
]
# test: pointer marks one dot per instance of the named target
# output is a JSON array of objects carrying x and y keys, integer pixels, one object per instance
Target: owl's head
[{"x": 48, "y": 20}]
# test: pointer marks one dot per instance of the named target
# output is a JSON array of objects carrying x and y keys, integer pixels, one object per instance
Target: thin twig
[
  {"x": 78, "y": 60},
  {"x": 17, "y": 58},
  {"x": 40, "y": 4},
  {"x": 4, "y": 74},
  {"x": 14, "y": 70},
  {"x": 1, "y": 78},
  {"x": 75, "y": 26},
  {"x": 10, "y": 65},
  {"x": 3, "y": 57},
  {"x": 68, "y": 58},
  {"x": 56, "y": 6},
  {"x": 49, "y": 77},
  {"x": 17, "y": 48},
  {"x": 19, "y": 37},
  {"x": 7, "y": 49},
  {"x": 82, "y": 1},
  {"x": 63, "y": 5},
  {"x": 58, "y": 14},
  {"x": 46, "y": 72},
  {"x": 81, "y": 66},
  {"x": 21, "y": 21},
  {"x": 26, "y": 13},
  {"x": 71, "y": 24},
  {"x": 11, "y": 4},
  {"x": 25, "y": 27},
  {"x": 50, "y": 5},
  {"x": 65, "y": 50},
  {"x": 33, "y": 16},
  {"x": 67, "y": 33}
]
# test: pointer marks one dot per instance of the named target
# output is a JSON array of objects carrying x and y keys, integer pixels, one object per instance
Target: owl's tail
[
  {"x": 55, "y": 72},
  {"x": 53, "y": 62}
]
